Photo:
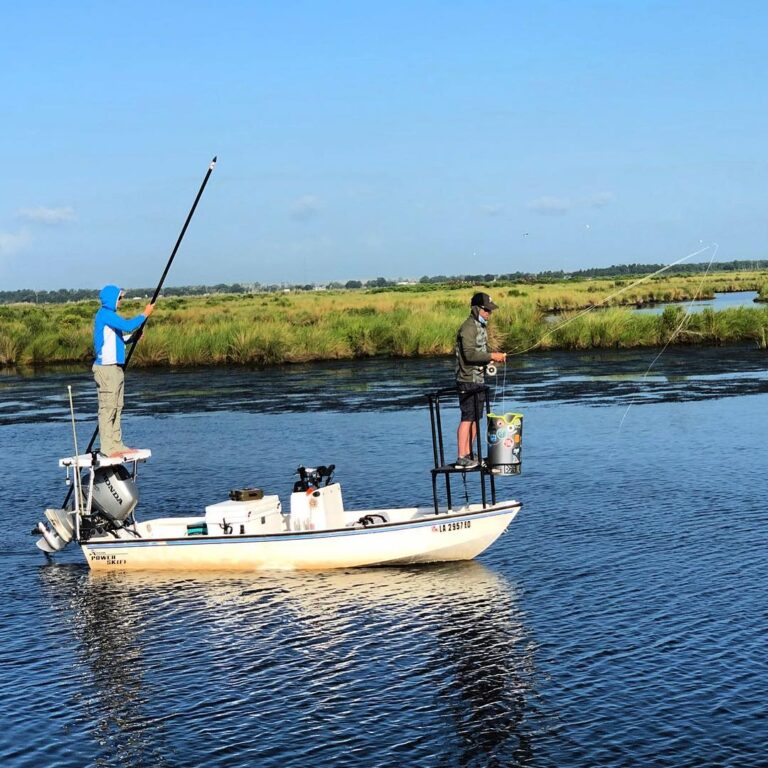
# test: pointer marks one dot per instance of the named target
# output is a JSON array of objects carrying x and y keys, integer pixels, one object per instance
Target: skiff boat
[{"x": 252, "y": 531}]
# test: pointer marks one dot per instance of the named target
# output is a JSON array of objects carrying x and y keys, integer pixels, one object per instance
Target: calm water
[
  {"x": 621, "y": 621},
  {"x": 721, "y": 301}
]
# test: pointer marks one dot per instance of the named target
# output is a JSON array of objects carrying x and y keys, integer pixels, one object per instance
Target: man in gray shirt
[{"x": 472, "y": 356}]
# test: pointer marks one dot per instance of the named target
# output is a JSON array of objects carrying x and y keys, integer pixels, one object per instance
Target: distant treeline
[
  {"x": 616, "y": 270},
  {"x": 740, "y": 265},
  {"x": 64, "y": 295}
]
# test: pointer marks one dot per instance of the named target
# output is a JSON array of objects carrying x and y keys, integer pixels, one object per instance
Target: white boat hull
[{"x": 415, "y": 535}]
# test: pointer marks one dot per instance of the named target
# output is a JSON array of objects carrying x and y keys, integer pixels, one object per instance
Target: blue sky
[{"x": 358, "y": 139}]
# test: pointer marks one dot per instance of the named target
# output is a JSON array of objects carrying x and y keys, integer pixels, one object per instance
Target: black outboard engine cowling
[{"x": 115, "y": 492}]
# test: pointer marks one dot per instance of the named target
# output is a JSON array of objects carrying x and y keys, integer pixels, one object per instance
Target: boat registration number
[{"x": 457, "y": 526}]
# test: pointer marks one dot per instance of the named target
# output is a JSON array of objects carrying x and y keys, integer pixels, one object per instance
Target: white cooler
[{"x": 251, "y": 518}]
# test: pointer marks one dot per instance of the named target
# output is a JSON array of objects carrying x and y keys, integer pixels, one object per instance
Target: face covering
[{"x": 483, "y": 321}]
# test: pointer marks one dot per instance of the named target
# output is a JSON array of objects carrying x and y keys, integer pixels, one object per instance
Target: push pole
[
  {"x": 191, "y": 213},
  {"x": 138, "y": 333}
]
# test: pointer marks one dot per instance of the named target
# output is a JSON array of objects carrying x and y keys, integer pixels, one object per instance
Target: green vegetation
[
  {"x": 403, "y": 321},
  {"x": 381, "y": 284}
]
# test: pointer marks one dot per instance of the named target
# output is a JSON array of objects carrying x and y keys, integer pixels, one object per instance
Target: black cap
[{"x": 483, "y": 300}]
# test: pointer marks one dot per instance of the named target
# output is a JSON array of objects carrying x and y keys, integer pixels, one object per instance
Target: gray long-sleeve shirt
[{"x": 472, "y": 353}]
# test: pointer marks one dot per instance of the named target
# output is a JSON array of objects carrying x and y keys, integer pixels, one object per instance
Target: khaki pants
[{"x": 110, "y": 384}]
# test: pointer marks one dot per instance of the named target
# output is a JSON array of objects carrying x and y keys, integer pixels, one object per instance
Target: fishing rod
[
  {"x": 676, "y": 331},
  {"x": 491, "y": 369},
  {"x": 603, "y": 301},
  {"x": 137, "y": 335}
]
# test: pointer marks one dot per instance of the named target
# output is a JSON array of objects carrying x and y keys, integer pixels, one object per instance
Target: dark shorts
[{"x": 472, "y": 401}]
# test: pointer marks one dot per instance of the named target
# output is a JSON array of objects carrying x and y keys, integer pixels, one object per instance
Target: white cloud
[
  {"x": 305, "y": 207},
  {"x": 600, "y": 200},
  {"x": 13, "y": 242},
  {"x": 550, "y": 206},
  {"x": 492, "y": 209},
  {"x": 559, "y": 206},
  {"x": 48, "y": 216}
]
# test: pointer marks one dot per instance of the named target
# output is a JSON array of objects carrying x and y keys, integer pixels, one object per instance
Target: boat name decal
[
  {"x": 457, "y": 526},
  {"x": 107, "y": 558}
]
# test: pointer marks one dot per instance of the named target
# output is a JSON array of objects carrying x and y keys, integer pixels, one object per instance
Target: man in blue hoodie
[{"x": 110, "y": 332}]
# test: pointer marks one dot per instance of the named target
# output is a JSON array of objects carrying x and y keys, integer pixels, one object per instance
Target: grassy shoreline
[{"x": 271, "y": 329}]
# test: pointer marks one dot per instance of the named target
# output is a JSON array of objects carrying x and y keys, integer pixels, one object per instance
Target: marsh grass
[
  {"x": 521, "y": 327},
  {"x": 612, "y": 328},
  {"x": 267, "y": 329}
]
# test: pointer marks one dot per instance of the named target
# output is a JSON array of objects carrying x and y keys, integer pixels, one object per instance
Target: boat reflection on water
[
  {"x": 108, "y": 665},
  {"x": 427, "y": 663},
  {"x": 490, "y": 653}
]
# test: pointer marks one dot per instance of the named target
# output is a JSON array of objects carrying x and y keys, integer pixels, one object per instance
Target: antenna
[{"x": 78, "y": 482}]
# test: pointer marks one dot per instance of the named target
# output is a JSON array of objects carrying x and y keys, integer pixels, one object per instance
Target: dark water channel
[{"x": 621, "y": 621}]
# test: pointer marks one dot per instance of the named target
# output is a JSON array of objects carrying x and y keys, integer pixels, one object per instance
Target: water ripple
[{"x": 620, "y": 621}]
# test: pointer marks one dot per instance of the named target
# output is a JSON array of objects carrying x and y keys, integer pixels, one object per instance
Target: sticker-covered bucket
[{"x": 505, "y": 443}]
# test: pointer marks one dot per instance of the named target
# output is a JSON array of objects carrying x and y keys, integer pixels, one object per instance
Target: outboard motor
[
  {"x": 59, "y": 531},
  {"x": 103, "y": 504},
  {"x": 115, "y": 493}
]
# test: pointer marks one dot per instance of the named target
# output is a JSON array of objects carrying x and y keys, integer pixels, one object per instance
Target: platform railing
[{"x": 446, "y": 470}]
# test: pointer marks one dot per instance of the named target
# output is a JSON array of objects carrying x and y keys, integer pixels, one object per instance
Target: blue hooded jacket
[{"x": 110, "y": 331}]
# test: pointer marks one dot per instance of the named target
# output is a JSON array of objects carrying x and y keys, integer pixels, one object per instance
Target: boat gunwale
[{"x": 242, "y": 538}]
